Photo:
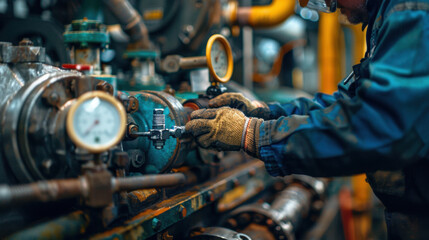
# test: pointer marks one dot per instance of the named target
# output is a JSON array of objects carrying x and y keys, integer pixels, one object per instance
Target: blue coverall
[{"x": 376, "y": 123}]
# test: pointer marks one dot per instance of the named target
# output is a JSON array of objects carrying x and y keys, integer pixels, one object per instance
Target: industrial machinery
[{"x": 87, "y": 152}]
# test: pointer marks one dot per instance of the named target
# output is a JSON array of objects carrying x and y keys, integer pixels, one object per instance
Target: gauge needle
[
  {"x": 217, "y": 56},
  {"x": 96, "y": 122}
]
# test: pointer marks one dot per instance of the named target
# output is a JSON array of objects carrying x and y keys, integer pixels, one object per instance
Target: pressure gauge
[
  {"x": 96, "y": 122},
  {"x": 219, "y": 58}
]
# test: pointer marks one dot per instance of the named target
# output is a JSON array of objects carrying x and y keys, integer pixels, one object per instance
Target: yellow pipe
[
  {"x": 330, "y": 59},
  {"x": 259, "y": 16},
  {"x": 359, "y": 42}
]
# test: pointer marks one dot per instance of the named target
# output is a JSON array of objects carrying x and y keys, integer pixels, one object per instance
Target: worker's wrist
[
  {"x": 259, "y": 110},
  {"x": 259, "y": 104},
  {"x": 251, "y": 136}
]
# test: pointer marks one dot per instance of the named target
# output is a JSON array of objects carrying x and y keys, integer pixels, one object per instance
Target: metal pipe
[
  {"x": 148, "y": 181},
  {"x": 259, "y": 16},
  {"x": 131, "y": 22},
  {"x": 43, "y": 191},
  {"x": 193, "y": 62},
  {"x": 54, "y": 190},
  {"x": 248, "y": 58},
  {"x": 292, "y": 205},
  {"x": 72, "y": 226}
]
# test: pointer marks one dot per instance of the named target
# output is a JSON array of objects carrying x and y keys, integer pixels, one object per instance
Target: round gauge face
[
  {"x": 219, "y": 58},
  {"x": 96, "y": 122}
]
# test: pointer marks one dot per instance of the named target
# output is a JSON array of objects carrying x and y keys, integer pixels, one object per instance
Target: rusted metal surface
[
  {"x": 155, "y": 218},
  {"x": 158, "y": 217},
  {"x": 44, "y": 191},
  {"x": 97, "y": 188},
  {"x": 9, "y": 84},
  {"x": 87, "y": 56},
  {"x": 105, "y": 87},
  {"x": 218, "y": 233},
  {"x": 23, "y": 53},
  {"x": 148, "y": 181},
  {"x": 284, "y": 215},
  {"x": 101, "y": 189},
  {"x": 15, "y": 74},
  {"x": 36, "y": 110},
  {"x": 3, "y": 47},
  {"x": 239, "y": 195},
  {"x": 72, "y": 226},
  {"x": 193, "y": 62},
  {"x": 259, "y": 232},
  {"x": 132, "y": 104}
]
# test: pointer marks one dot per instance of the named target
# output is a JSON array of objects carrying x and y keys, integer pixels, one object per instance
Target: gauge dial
[
  {"x": 219, "y": 58},
  {"x": 96, "y": 122}
]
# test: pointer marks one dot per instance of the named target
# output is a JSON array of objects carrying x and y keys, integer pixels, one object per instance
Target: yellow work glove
[
  {"x": 237, "y": 100},
  {"x": 224, "y": 129}
]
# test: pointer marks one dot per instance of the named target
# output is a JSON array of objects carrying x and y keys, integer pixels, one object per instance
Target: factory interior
[{"x": 96, "y": 102}]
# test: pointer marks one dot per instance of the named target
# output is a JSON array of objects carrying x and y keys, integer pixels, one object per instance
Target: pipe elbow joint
[{"x": 260, "y": 16}]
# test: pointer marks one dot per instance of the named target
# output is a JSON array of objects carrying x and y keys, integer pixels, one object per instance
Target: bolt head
[
  {"x": 156, "y": 224},
  {"x": 121, "y": 159},
  {"x": 244, "y": 219},
  {"x": 26, "y": 42},
  {"x": 210, "y": 196},
  {"x": 51, "y": 98},
  {"x": 182, "y": 211},
  {"x": 232, "y": 222},
  {"x": 258, "y": 218}
]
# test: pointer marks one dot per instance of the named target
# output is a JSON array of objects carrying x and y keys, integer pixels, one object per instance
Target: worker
[{"x": 376, "y": 123}]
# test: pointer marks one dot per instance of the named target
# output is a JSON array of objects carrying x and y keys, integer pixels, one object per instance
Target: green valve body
[{"x": 85, "y": 40}]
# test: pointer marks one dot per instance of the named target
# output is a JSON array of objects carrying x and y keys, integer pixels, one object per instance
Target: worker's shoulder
[{"x": 392, "y": 6}]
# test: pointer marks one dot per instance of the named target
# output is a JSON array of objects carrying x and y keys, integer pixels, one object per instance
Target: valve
[{"x": 158, "y": 134}]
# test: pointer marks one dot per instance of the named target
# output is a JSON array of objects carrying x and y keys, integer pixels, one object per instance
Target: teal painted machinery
[{"x": 146, "y": 157}]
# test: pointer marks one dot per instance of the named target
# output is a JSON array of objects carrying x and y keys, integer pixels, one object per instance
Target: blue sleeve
[
  {"x": 385, "y": 126},
  {"x": 301, "y": 106}
]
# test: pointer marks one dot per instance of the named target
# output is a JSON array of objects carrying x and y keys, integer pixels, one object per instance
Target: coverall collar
[{"x": 372, "y": 6}]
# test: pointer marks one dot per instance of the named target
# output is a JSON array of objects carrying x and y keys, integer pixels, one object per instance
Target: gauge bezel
[
  {"x": 225, "y": 43},
  {"x": 71, "y": 131}
]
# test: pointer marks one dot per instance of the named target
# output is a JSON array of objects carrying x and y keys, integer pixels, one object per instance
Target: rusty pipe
[
  {"x": 131, "y": 22},
  {"x": 259, "y": 16},
  {"x": 54, "y": 190},
  {"x": 193, "y": 62},
  {"x": 43, "y": 191},
  {"x": 148, "y": 181},
  {"x": 173, "y": 63}
]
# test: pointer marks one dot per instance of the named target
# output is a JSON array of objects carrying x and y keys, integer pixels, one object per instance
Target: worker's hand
[
  {"x": 237, "y": 100},
  {"x": 224, "y": 129}
]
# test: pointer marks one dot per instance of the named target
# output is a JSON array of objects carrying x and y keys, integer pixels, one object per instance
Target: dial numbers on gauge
[
  {"x": 219, "y": 59},
  {"x": 96, "y": 122}
]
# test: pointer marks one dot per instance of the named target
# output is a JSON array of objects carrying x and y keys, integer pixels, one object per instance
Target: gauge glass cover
[
  {"x": 96, "y": 122},
  {"x": 219, "y": 59}
]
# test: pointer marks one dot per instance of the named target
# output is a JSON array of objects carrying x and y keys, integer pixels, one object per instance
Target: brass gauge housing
[
  {"x": 219, "y": 58},
  {"x": 96, "y": 122}
]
